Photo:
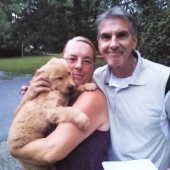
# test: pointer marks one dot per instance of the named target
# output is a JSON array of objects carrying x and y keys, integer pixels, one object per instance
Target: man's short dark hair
[{"x": 117, "y": 12}]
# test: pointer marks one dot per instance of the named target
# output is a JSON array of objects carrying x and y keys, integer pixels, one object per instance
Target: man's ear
[
  {"x": 99, "y": 45},
  {"x": 135, "y": 41}
]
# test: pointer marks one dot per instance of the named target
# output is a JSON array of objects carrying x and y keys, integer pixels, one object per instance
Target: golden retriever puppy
[{"x": 36, "y": 116}]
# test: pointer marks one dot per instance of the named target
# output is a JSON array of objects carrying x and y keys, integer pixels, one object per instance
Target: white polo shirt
[
  {"x": 117, "y": 82},
  {"x": 135, "y": 113}
]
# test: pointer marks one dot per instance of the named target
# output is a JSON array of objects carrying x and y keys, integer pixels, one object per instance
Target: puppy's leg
[
  {"x": 68, "y": 114},
  {"x": 87, "y": 87}
]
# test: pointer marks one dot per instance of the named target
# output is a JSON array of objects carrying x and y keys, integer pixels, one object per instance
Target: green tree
[
  {"x": 50, "y": 23},
  {"x": 5, "y": 26},
  {"x": 155, "y": 39}
]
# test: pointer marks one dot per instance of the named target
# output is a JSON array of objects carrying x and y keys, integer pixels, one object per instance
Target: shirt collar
[{"x": 139, "y": 75}]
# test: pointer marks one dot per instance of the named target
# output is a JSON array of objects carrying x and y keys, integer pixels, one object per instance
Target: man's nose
[{"x": 114, "y": 43}]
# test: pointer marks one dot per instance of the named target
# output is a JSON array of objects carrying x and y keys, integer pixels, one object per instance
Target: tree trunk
[
  {"x": 96, "y": 11},
  {"x": 87, "y": 9},
  {"x": 77, "y": 16},
  {"x": 22, "y": 49}
]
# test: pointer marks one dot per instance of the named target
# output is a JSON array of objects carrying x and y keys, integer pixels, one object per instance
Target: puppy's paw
[
  {"x": 80, "y": 88},
  {"x": 82, "y": 122},
  {"x": 90, "y": 86},
  {"x": 87, "y": 87}
]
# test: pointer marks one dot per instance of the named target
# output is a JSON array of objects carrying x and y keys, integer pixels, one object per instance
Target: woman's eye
[
  {"x": 87, "y": 61},
  {"x": 72, "y": 59}
]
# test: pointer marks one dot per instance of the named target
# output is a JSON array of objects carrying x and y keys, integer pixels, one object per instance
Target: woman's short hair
[
  {"x": 82, "y": 39},
  {"x": 117, "y": 12}
]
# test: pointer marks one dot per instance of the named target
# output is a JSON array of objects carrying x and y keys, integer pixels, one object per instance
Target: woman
[{"x": 67, "y": 146}]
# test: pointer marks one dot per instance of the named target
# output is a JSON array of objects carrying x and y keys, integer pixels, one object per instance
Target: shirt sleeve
[{"x": 167, "y": 104}]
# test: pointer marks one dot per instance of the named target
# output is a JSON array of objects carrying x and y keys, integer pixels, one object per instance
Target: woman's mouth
[{"x": 77, "y": 75}]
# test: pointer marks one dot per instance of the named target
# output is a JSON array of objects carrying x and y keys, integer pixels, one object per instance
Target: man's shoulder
[
  {"x": 153, "y": 66},
  {"x": 157, "y": 72},
  {"x": 101, "y": 76},
  {"x": 100, "y": 71},
  {"x": 156, "y": 66}
]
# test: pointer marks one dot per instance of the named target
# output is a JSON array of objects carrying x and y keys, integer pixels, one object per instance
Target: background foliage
[{"x": 31, "y": 26}]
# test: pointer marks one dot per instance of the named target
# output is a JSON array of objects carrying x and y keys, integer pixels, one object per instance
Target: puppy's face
[{"x": 59, "y": 75}]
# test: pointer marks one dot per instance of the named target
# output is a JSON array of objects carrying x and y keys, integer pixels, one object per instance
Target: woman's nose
[{"x": 79, "y": 64}]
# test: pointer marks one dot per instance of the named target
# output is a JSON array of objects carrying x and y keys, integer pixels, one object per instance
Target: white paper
[{"x": 141, "y": 164}]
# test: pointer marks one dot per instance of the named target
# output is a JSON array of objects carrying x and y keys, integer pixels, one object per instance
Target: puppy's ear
[
  {"x": 39, "y": 71},
  {"x": 45, "y": 75},
  {"x": 42, "y": 71},
  {"x": 53, "y": 61}
]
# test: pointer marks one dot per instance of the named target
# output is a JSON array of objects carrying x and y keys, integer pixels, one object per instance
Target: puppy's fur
[{"x": 36, "y": 116}]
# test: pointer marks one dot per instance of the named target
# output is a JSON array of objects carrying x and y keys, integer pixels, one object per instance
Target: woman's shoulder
[
  {"x": 95, "y": 99},
  {"x": 93, "y": 94},
  {"x": 94, "y": 104}
]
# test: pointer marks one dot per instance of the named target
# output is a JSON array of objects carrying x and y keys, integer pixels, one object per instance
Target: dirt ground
[{"x": 7, "y": 162}]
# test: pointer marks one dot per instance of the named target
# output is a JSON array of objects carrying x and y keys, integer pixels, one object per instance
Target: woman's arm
[{"x": 67, "y": 136}]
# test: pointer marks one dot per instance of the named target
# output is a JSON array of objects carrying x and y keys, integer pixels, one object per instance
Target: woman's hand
[
  {"x": 37, "y": 85},
  {"x": 24, "y": 89}
]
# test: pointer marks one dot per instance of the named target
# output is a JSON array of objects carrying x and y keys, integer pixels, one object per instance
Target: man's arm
[
  {"x": 167, "y": 104},
  {"x": 67, "y": 136}
]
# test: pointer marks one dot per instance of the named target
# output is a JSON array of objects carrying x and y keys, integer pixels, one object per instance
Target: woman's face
[{"x": 79, "y": 56}]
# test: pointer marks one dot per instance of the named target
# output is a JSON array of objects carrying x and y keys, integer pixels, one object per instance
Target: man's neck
[{"x": 126, "y": 70}]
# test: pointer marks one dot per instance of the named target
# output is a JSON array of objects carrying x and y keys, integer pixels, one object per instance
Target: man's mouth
[{"x": 114, "y": 52}]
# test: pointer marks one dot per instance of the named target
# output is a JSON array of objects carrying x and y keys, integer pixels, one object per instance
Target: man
[{"x": 135, "y": 91}]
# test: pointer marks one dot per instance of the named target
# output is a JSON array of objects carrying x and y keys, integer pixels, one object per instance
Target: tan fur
[{"x": 36, "y": 116}]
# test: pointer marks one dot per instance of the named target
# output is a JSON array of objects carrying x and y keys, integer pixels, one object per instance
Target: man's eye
[
  {"x": 105, "y": 36},
  {"x": 122, "y": 35}
]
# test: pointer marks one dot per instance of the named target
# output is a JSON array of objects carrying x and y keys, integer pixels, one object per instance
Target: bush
[
  {"x": 36, "y": 52},
  {"x": 154, "y": 40},
  {"x": 9, "y": 52}
]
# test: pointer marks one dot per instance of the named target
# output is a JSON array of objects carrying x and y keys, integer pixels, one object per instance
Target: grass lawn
[
  {"x": 25, "y": 65},
  {"x": 29, "y": 64}
]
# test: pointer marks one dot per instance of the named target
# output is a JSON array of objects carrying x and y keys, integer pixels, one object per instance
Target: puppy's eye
[
  {"x": 69, "y": 73},
  {"x": 60, "y": 78}
]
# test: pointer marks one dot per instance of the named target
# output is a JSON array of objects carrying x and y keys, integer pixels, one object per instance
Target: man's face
[
  {"x": 81, "y": 54},
  {"x": 115, "y": 42}
]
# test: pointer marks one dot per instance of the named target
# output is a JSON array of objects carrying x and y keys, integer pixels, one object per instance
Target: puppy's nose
[{"x": 71, "y": 87}]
